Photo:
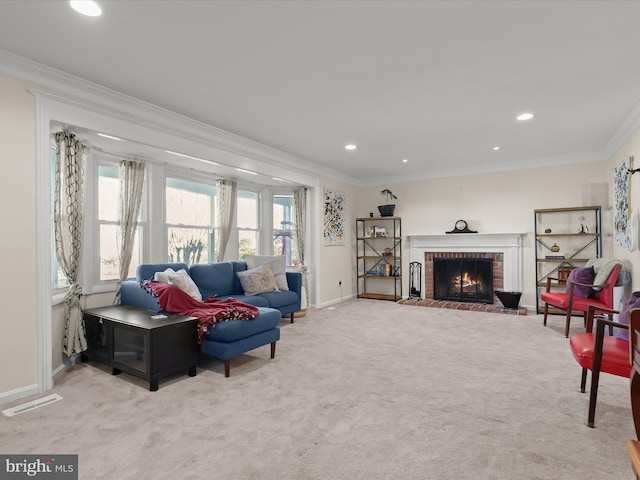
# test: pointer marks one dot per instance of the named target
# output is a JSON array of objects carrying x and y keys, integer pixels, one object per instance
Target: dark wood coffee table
[{"x": 128, "y": 339}]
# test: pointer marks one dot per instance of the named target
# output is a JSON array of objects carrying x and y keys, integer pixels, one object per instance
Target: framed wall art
[
  {"x": 333, "y": 218},
  {"x": 623, "y": 220}
]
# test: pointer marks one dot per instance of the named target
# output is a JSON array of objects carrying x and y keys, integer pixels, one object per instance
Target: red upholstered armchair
[
  {"x": 600, "y": 353},
  {"x": 571, "y": 302}
]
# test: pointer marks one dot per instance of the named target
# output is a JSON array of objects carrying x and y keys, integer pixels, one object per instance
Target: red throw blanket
[{"x": 209, "y": 312}]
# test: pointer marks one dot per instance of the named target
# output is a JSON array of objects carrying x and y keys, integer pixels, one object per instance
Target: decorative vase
[
  {"x": 386, "y": 210},
  {"x": 555, "y": 248}
]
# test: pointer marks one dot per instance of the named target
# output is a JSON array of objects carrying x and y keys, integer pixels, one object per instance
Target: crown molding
[
  {"x": 628, "y": 127},
  {"x": 572, "y": 159},
  {"x": 62, "y": 86}
]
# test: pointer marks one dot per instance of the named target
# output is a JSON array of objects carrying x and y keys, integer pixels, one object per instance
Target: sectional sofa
[{"x": 231, "y": 338}]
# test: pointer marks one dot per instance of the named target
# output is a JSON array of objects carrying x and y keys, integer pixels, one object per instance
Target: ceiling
[{"x": 437, "y": 83}]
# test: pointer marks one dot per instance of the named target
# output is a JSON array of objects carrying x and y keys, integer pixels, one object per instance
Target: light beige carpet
[{"x": 368, "y": 390}]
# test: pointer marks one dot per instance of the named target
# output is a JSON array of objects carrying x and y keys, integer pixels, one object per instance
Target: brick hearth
[
  {"x": 504, "y": 248},
  {"x": 498, "y": 283},
  {"x": 473, "y": 307}
]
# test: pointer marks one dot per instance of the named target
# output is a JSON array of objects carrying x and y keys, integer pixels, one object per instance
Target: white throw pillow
[
  {"x": 184, "y": 282},
  {"x": 163, "y": 277},
  {"x": 258, "y": 280},
  {"x": 277, "y": 267}
]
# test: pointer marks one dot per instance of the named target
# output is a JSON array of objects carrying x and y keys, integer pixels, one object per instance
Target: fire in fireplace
[{"x": 463, "y": 279}]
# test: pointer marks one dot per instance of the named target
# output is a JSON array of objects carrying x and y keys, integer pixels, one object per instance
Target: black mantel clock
[{"x": 461, "y": 227}]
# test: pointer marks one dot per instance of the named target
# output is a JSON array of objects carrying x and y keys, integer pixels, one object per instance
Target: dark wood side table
[{"x": 128, "y": 339}]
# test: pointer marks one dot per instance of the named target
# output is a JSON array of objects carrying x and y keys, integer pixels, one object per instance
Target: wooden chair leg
[
  {"x": 273, "y": 349},
  {"x": 291, "y": 317},
  {"x": 635, "y": 399},
  {"x": 566, "y": 327},
  {"x": 595, "y": 377},
  {"x": 227, "y": 368},
  {"x": 546, "y": 311},
  {"x": 595, "y": 373},
  {"x": 583, "y": 382}
]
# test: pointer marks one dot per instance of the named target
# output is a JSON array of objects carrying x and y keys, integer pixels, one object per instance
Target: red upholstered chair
[
  {"x": 571, "y": 302},
  {"x": 600, "y": 353}
]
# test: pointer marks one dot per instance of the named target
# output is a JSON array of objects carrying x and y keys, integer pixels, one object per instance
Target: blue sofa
[{"x": 234, "y": 337}]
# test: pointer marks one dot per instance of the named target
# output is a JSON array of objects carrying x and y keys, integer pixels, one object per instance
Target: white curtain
[
  {"x": 68, "y": 223},
  {"x": 131, "y": 181},
  {"x": 226, "y": 191},
  {"x": 300, "y": 213}
]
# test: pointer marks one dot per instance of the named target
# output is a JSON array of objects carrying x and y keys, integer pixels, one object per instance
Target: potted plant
[{"x": 388, "y": 209}]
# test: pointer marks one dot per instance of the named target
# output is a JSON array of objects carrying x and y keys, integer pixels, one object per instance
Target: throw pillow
[
  {"x": 184, "y": 282},
  {"x": 163, "y": 277},
  {"x": 277, "y": 267},
  {"x": 581, "y": 275},
  {"x": 258, "y": 280},
  {"x": 625, "y": 315}
]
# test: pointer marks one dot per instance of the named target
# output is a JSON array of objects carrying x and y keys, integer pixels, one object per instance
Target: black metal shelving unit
[{"x": 379, "y": 258}]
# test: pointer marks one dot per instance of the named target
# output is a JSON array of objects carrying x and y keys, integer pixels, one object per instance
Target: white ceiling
[{"x": 436, "y": 82}]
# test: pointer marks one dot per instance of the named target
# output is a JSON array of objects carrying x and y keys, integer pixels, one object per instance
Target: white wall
[
  {"x": 491, "y": 203},
  {"x": 18, "y": 331},
  {"x": 336, "y": 263}
]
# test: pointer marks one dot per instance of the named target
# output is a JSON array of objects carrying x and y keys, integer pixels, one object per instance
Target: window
[
  {"x": 190, "y": 220},
  {"x": 248, "y": 222},
  {"x": 283, "y": 232},
  {"x": 108, "y": 225}
]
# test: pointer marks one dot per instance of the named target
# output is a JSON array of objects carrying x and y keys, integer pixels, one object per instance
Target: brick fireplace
[
  {"x": 504, "y": 248},
  {"x": 498, "y": 268}
]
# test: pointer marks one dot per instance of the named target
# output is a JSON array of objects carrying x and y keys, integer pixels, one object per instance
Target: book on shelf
[{"x": 554, "y": 255}]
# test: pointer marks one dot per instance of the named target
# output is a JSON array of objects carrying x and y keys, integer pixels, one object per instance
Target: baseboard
[
  {"x": 18, "y": 393},
  {"x": 334, "y": 301}
]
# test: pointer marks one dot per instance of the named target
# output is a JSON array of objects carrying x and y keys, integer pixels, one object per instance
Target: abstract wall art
[
  {"x": 623, "y": 220},
  {"x": 333, "y": 218}
]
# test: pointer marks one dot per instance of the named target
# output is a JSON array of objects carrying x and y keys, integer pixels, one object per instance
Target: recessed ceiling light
[
  {"x": 405, "y": 160},
  {"x": 350, "y": 146},
  {"x": 191, "y": 157},
  {"x": 524, "y": 116},
  {"x": 246, "y": 171},
  {"x": 496, "y": 148},
  {"x": 111, "y": 137},
  {"x": 86, "y": 7}
]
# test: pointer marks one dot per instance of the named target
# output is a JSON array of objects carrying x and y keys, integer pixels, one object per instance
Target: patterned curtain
[
  {"x": 68, "y": 224},
  {"x": 131, "y": 181},
  {"x": 300, "y": 212},
  {"x": 226, "y": 190}
]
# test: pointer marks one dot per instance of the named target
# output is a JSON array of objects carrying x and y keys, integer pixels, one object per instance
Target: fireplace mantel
[{"x": 509, "y": 244}]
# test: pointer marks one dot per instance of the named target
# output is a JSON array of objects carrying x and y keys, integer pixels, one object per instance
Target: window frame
[
  {"x": 202, "y": 178},
  {"x": 259, "y": 221}
]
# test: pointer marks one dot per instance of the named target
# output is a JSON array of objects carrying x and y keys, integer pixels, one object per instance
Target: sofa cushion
[
  {"x": 255, "y": 300},
  {"x": 183, "y": 281},
  {"x": 277, "y": 265},
  {"x": 280, "y": 299},
  {"x": 213, "y": 278},
  {"x": 231, "y": 330},
  {"x": 238, "y": 266},
  {"x": 258, "y": 280}
]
